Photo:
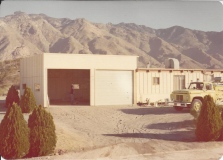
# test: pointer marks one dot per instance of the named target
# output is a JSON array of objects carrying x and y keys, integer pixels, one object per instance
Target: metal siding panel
[
  {"x": 145, "y": 83},
  {"x": 157, "y": 86},
  {"x": 152, "y": 86},
  {"x": 143, "y": 90},
  {"x": 168, "y": 82},
  {"x": 161, "y": 85},
  {"x": 150, "y": 82},
  {"x": 43, "y": 86},
  {"x": 29, "y": 75},
  {"x": 134, "y": 88},
  {"x": 138, "y": 85},
  {"x": 187, "y": 79},
  {"x": 171, "y": 81},
  {"x": 164, "y": 82},
  {"x": 141, "y": 83}
]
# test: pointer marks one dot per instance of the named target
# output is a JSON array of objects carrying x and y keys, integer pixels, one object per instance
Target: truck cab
[{"x": 194, "y": 94}]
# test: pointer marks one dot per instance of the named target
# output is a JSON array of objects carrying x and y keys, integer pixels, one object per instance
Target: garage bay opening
[{"x": 60, "y": 82}]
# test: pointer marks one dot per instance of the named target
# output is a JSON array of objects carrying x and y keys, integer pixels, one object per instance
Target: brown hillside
[{"x": 27, "y": 34}]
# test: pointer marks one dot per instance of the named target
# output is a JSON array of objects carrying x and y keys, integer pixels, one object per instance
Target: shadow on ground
[
  {"x": 187, "y": 124},
  {"x": 178, "y": 136},
  {"x": 182, "y": 131},
  {"x": 155, "y": 110},
  {"x": 2, "y": 107}
]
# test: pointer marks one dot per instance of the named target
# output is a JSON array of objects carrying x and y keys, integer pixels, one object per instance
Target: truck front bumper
[{"x": 181, "y": 104}]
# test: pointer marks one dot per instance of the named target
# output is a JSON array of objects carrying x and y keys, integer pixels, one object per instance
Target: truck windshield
[{"x": 196, "y": 86}]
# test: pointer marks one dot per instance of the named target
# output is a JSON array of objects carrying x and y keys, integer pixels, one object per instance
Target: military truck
[{"x": 192, "y": 97}]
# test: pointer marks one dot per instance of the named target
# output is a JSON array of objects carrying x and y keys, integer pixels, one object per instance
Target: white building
[
  {"x": 156, "y": 84},
  {"x": 102, "y": 79}
]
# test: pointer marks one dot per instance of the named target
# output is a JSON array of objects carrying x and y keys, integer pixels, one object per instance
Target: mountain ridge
[{"x": 27, "y": 34}]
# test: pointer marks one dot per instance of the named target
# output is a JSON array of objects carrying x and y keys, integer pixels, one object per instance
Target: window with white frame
[{"x": 156, "y": 80}]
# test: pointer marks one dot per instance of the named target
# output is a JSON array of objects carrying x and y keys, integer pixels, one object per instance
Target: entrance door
[{"x": 178, "y": 82}]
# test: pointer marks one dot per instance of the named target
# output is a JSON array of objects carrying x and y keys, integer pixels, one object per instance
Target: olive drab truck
[{"x": 192, "y": 97}]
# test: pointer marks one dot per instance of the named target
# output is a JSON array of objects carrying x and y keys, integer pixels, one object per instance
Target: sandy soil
[{"x": 127, "y": 132}]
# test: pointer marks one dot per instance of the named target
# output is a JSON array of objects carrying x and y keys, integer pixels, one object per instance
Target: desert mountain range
[{"x": 24, "y": 34}]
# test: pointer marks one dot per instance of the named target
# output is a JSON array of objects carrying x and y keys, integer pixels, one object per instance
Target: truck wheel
[
  {"x": 178, "y": 108},
  {"x": 195, "y": 108}
]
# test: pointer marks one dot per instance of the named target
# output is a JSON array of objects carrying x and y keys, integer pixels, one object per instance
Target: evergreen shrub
[
  {"x": 209, "y": 123},
  {"x": 28, "y": 101},
  {"x": 14, "y": 134},
  {"x": 12, "y": 96},
  {"x": 42, "y": 133}
]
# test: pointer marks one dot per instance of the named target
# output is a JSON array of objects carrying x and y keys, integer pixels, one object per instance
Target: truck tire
[
  {"x": 195, "y": 108},
  {"x": 178, "y": 108}
]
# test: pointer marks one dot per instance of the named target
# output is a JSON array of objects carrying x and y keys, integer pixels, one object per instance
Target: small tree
[
  {"x": 28, "y": 101},
  {"x": 42, "y": 133},
  {"x": 14, "y": 134},
  {"x": 12, "y": 96},
  {"x": 209, "y": 122}
]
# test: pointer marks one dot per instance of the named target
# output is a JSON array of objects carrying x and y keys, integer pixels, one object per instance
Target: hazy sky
[{"x": 200, "y": 15}]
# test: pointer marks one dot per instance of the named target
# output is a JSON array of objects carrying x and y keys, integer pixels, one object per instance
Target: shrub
[
  {"x": 195, "y": 113},
  {"x": 221, "y": 136},
  {"x": 28, "y": 102},
  {"x": 42, "y": 133},
  {"x": 209, "y": 122},
  {"x": 12, "y": 96},
  {"x": 14, "y": 134}
]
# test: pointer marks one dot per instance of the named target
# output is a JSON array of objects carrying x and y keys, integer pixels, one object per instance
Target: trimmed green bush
[
  {"x": 209, "y": 122},
  {"x": 12, "y": 96},
  {"x": 28, "y": 101},
  {"x": 14, "y": 134},
  {"x": 42, "y": 133},
  {"x": 221, "y": 136}
]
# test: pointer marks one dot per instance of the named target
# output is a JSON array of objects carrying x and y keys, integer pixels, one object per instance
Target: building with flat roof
[
  {"x": 156, "y": 84},
  {"x": 97, "y": 79},
  {"x": 103, "y": 79}
]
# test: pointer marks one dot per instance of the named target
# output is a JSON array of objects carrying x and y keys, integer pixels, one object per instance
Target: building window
[
  {"x": 208, "y": 87},
  {"x": 156, "y": 80},
  {"x": 178, "y": 82},
  {"x": 23, "y": 86}
]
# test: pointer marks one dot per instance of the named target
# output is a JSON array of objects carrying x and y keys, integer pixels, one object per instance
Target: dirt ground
[{"x": 127, "y": 132}]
